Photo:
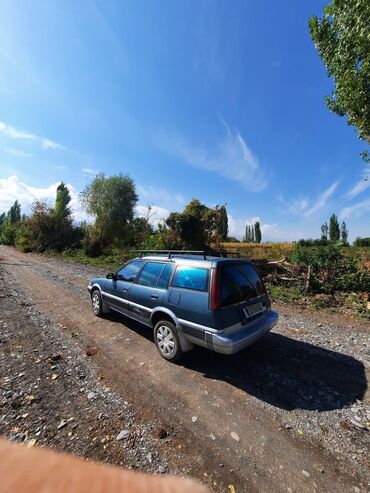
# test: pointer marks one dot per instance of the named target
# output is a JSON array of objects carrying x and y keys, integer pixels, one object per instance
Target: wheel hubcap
[
  {"x": 165, "y": 340},
  {"x": 95, "y": 303}
]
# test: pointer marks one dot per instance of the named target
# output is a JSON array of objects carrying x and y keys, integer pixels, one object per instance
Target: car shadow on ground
[
  {"x": 287, "y": 373},
  {"x": 279, "y": 370}
]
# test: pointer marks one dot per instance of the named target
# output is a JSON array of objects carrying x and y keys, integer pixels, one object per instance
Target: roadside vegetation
[{"x": 325, "y": 273}]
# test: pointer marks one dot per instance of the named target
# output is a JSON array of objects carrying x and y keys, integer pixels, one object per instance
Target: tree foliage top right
[{"x": 342, "y": 38}]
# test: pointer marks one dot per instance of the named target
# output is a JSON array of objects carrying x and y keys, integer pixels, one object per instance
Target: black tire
[
  {"x": 169, "y": 348},
  {"x": 97, "y": 303}
]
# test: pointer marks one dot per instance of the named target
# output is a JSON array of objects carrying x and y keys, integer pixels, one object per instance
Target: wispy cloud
[
  {"x": 295, "y": 206},
  {"x": 90, "y": 171},
  {"x": 230, "y": 158},
  {"x": 14, "y": 133},
  {"x": 355, "y": 210},
  {"x": 167, "y": 199},
  {"x": 17, "y": 152},
  {"x": 360, "y": 186},
  {"x": 322, "y": 200}
]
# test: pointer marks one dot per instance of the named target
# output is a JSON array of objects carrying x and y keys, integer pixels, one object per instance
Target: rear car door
[
  {"x": 118, "y": 289},
  {"x": 149, "y": 289}
]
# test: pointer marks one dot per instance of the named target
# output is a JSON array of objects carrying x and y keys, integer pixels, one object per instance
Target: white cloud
[
  {"x": 17, "y": 152},
  {"x": 356, "y": 210},
  {"x": 90, "y": 171},
  {"x": 321, "y": 201},
  {"x": 157, "y": 214},
  {"x": 231, "y": 158},
  {"x": 360, "y": 186},
  {"x": 14, "y": 133},
  {"x": 237, "y": 227},
  {"x": 12, "y": 188}
]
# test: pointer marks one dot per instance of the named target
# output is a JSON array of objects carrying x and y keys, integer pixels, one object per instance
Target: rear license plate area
[{"x": 254, "y": 309}]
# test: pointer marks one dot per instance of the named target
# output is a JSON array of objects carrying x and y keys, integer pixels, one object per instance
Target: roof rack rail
[{"x": 204, "y": 253}]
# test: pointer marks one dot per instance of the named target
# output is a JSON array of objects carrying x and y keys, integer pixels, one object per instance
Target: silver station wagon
[{"x": 189, "y": 298}]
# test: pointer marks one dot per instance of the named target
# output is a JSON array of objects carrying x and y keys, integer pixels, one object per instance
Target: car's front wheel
[
  {"x": 97, "y": 303},
  {"x": 167, "y": 341}
]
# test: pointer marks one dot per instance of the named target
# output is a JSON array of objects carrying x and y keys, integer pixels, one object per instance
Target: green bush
[
  {"x": 9, "y": 234},
  {"x": 362, "y": 242},
  {"x": 311, "y": 243},
  {"x": 334, "y": 268}
]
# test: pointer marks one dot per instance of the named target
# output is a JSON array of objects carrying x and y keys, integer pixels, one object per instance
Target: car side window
[
  {"x": 190, "y": 278},
  {"x": 129, "y": 271},
  {"x": 150, "y": 274},
  {"x": 165, "y": 276}
]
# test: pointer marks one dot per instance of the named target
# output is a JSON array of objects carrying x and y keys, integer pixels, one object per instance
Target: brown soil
[{"x": 291, "y": 376}]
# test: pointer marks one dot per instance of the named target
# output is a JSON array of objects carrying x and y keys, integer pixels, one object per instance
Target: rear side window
[
  {"x": 151, "y": 273},
  {"x": 190, "y": 278},
  {"x": 129, "y": 272},
  {"x": 239, "y": 282},
  {"x": 165, "y": 276}
]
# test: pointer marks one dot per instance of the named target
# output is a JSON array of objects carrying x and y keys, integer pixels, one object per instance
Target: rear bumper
[{"x": 246, "y": 335}]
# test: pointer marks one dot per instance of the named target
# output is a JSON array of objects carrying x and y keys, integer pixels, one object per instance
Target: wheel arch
[
  {"x": 97, "y": 287},
  {"x": 162, "y": 313}
]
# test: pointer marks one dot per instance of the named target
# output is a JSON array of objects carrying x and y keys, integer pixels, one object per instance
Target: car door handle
[
  {"x": 124, "y": 290},
  {"x": 154, "y": 296}
]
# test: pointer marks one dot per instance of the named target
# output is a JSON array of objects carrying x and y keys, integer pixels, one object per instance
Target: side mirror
[{"x": 111, "y": 275}]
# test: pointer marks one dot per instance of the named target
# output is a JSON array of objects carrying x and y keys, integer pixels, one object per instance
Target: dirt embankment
[{"x": 289, "y": 413}]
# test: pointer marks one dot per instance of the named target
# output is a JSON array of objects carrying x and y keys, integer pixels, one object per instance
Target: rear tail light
[{"x": 215, "y": 289}]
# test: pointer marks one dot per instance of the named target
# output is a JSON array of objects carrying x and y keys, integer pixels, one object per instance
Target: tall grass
[{"x": 260, "y": 251}]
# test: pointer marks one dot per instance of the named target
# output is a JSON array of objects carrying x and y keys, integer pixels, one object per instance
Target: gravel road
[{"x": 289, "y": 414}]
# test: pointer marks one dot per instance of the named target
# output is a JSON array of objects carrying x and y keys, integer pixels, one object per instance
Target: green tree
[
  {"x": 2, "y": 223},
  {"x": 10, "y": 223},
  {"x": 14, "y": 214},
  {"x": 197, "y": 227},
  {"x": 344, "y": 233},
  {"x": 334, "y": 232},
  {"x": 222, "y": 224},
  {"x": 249, "y": 233},
  {"x": 258, "y": 233},
  {"x": 111, "y": 201},
  {"x": 246, "y": 234},
  {"x": 63, "y": 216},
  {"x": 191, "y": 225},
  {"x": 342, "y": 39},
  {"x": 38, "y": 232},
  {"x": 324, "y": 231},
  {"x": 141, "y": 229}
]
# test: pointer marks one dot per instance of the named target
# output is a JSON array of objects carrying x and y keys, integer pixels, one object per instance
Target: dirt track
[{"x": 298, "y": 399}]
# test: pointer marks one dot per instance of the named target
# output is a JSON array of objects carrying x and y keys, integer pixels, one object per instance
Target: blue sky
[{"x": 222, "y": 101}]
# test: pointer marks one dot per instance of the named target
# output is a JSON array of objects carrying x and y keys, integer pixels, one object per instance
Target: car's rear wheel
[
  {"x": 97, "y": 303},
  {"x": 167, "y": 341}
]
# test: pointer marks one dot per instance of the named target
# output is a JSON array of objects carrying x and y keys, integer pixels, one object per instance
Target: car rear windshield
[{"x": 239, "y": 282}]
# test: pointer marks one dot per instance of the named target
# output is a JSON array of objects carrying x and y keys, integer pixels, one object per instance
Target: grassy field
[{"x": 261, "y": 251}]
